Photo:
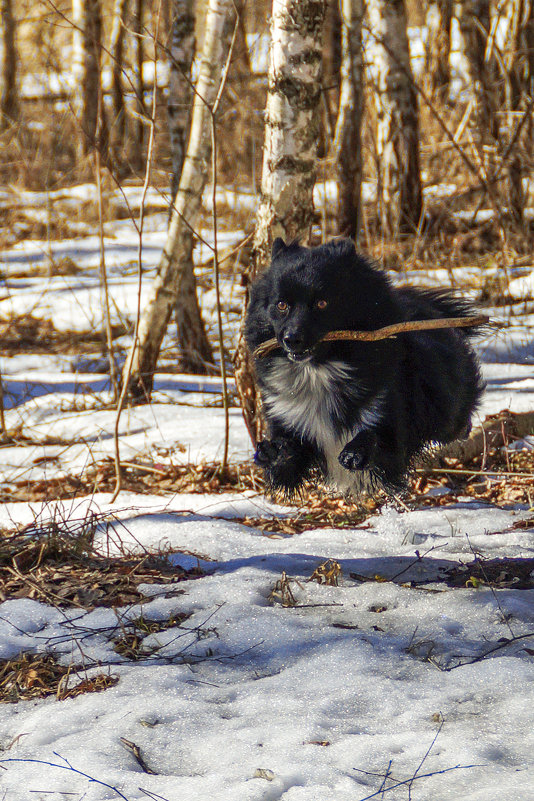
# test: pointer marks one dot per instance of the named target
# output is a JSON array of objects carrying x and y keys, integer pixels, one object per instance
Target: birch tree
[
  {"x": 438, "y": 47},
  {"x": 347, "y": 141},
  {"x": 175, "y": 261},
  {"x": 181, "y": 54},
  {"x": 8, "y": 65},
  {"x": 397, "y": 136},
  {"x": 289, "y": 154},
  {"x": 138, "y": 121},
  {"x": 86, "y": 69},
  {"x": 194, "y": 349}
]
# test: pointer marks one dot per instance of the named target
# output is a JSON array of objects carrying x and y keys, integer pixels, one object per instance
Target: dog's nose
[{"x": 294, "y": 341}]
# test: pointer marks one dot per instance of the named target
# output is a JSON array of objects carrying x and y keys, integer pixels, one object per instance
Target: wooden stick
[{"x": 383, "y": 333}]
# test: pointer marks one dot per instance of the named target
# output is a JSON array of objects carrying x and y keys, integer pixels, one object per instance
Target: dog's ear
[
  {"x": 342, "y": 247},
  {"x": 278, "y": 246}
]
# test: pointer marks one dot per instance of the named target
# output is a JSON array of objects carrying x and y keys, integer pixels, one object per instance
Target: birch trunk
[
  {"x": 291, "y": 126},
  {"x": 138, "y": 127},
  {"x": 181, "y": 53},
  {"x": 289, "y": 155},
  {"x": 438, "y": 48},
  {"x": 86, "y": 54},
  {"x": 175, "y": 259},
  {"x": 347, "y": 139},
  {"x": 8, "y": 66},
  {"x": 400, "y": 199},
  {"x": 116, "y": 48},
  {"x": 194, "y": 350}
]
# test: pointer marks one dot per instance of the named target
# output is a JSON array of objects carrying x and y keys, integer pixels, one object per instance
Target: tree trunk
[
  {"x": 516, "y": 63},
  {"x": 347, "y": 140},
  {"x": 86, "y": 68},
  {"x": 8, "y": 75},
  {"x": 438, "y": 48},
  {"x": 182, "y": 51},
  {"x": 175, "y": 259},
  {"x": 475, "y": 24},
  {"x": 116, "y": 48},
  {"x": 289, "y": 155},
  {"x": 138, "y": 126},
  {"x": 397, "y": 119},
  {"x": 194, "y": 350}
]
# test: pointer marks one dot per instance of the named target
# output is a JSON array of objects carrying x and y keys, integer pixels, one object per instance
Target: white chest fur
[{"x": 311, "y": 401}]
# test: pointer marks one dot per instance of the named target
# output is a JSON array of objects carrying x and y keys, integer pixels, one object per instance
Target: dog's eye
[
  {"x": 321, "y": 304},
  {"x": 282, "y": 306}
]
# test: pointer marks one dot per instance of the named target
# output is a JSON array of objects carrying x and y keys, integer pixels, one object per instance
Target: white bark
[
  {"x": 347, "y": 140},
  {"x": 397, "y": 118},
  {"x": 181, "y": 53},
  {"x": 185, "y": 212},
  {"x": 291, "y": 124},
  {"x": 289, "y": 156}
]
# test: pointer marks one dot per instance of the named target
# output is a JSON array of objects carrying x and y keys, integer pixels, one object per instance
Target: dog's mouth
[{"x": 300, "y": 356}]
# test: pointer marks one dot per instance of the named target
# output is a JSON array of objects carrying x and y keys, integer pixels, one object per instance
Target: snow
[
  {"x": 241, "y": 711},
  {"x": 246, "y": 699}
]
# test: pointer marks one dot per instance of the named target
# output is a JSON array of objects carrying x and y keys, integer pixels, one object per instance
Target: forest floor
[{"x": 197, "y": 639}]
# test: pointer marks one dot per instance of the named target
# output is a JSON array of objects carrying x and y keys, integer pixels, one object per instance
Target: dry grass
[
  {"x": 56, "y": 562},
  {"x": 31, "y": 676}
]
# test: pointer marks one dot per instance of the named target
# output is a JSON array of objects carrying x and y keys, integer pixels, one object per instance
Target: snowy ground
[{"x": 398, "y": 686}]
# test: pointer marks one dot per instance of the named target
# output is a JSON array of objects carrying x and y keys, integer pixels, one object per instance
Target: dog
[{"x": 355, "y": 412}]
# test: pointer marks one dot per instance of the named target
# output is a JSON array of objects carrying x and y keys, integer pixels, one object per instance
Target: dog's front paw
[
  {"x": 268, "y": 452},
  {"x": 358, "y": 453},
  {"x": 284, "y": 462}
]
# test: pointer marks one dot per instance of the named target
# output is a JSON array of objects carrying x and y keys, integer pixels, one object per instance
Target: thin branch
[
  {"x": 66, "y": 766},
  {"x": 386, "y": 332}
]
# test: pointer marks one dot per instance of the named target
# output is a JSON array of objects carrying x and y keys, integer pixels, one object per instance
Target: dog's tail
[{"x": 436, "y": 303}]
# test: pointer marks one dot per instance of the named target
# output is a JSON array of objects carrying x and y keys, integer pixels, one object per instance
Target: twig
[
  {"x": 489, "y": 652},
  {"x": 404, "y": 782},
  {"x": 387, "y": 331},
  {"x": 66, "y": 766},
  {"x": 103, "y": 276},
  {"x": 134, "y": 749}
]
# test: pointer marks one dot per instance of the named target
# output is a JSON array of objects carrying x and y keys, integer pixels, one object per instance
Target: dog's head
[{"x": 311, "y": 291}]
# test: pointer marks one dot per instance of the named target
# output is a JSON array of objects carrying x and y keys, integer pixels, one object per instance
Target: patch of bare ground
[
  {"x": 29, "y": 334},
  {"x": 31, "y": 676},
  {"x": 56, "y": 562}
]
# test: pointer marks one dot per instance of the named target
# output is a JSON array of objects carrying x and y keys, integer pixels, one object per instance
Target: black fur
[{"x": 358, "y": 411}]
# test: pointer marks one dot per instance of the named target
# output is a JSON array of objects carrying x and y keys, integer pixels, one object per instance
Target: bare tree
[
  {"x": 181, "y": 54},
  {"x": 438, "y": 47},
  {"x": 86, "y": 68},
  {"x": 290, "y": 152},
  {"x": 475, "y": 26},
  {"x": 194, "y": 349},
  {"x": 347, "y": 141},
  {"x": 8, "y": 65},
  {"x": 397, "y": 118},
  {"x": 176, "y": 261},
  {"x": 116, "y": 49}
]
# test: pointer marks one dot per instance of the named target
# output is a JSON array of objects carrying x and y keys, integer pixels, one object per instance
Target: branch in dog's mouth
[{"x": 383, "y": 333}]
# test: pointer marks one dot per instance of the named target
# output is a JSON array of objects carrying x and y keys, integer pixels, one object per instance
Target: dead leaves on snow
[{"x": 31, "y": 676}]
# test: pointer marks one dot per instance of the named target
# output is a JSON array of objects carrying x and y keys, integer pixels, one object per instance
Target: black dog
[{"x": 357, "y": 411}]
